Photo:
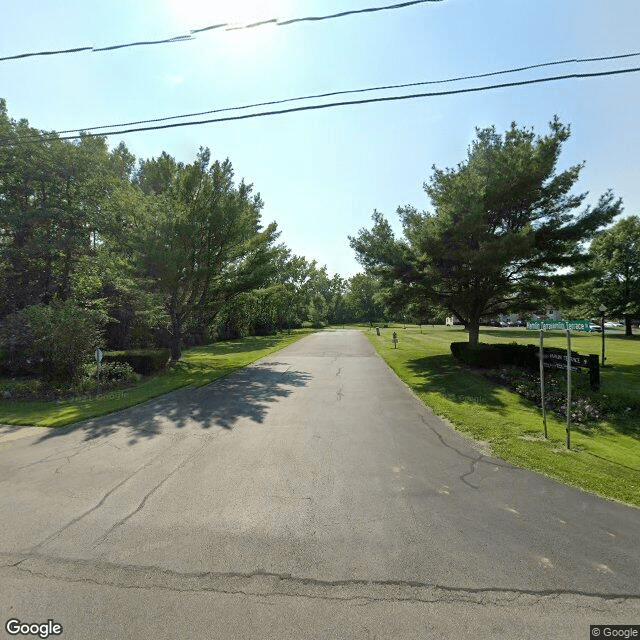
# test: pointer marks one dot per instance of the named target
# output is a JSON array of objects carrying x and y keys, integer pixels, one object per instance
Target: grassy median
[
  {"x": 605, "y": 456},
  {"x": 198, "y": 366}
]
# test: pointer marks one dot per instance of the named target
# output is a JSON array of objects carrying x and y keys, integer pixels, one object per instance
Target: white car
[
  {"x": 594, "y": 327},
  {"x": 612, "y": 325}
]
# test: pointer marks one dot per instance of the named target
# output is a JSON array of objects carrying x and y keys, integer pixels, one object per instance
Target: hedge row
[
  {"x": 144, "y": 361},
  {"x": 487, "y": 356}
]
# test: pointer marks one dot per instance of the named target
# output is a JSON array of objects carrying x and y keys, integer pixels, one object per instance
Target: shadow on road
[{"x": 248, "y": 393}]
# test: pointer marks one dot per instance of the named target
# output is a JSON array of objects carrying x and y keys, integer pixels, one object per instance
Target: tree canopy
[
  {"x": 616, "y": 259},
  {"x": 502, "y": 233},
  {"x": 204, "y": 244},
  {"x": 150, "y": 253}
]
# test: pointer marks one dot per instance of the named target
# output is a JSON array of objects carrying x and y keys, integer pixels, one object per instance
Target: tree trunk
[
  {"x": 627, "y": 326},
  {"x": 474, "y": 332},
  {"x": 176, "y": 338}
]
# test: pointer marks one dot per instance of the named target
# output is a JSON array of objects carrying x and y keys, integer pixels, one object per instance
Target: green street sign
[
  {"x": 578, "y": 325},
  {"x": 550, "y": 325}
]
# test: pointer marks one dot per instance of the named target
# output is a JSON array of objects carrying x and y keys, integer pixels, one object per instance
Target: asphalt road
[{"x": 310, "y": 495}]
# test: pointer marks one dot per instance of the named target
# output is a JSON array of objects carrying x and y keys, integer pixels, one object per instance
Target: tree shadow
[
  {"x": 454, "y": 381},
  {"x": 246, "y": 394},
  {"x": 225, "y": 347},
  {"x": 620, "y": 385}
]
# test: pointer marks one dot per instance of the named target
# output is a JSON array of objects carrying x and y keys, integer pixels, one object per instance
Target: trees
[
  {"x": 53, "y": 195},
  {"x": 363, "y": 300},
  {"x": 615, "y": 256},
  {"x": 53, "y": 339},
  {"x": 204, "y": 244},
  {"x": 148, "y": 255},
  {"x": 503, "y": 229}
]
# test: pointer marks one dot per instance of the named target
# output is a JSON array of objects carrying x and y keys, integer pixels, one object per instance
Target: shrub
[
  {"x": 53, "y": 341},
  {"x": 115, "y": 372},
  {"x": 19, "y": 389},
  {"x": 487, "y": 356},
  {"x": 144, "y": 361}
]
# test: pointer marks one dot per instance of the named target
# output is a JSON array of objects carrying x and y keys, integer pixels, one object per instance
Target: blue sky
[{"x": 321, "y": 173}]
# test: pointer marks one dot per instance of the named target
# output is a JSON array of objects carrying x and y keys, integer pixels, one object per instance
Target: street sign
[
  {"x": 555, "y": 360},
  {"x": 577, "y": 325},
  {"x": 562, "y": 325},
  {"x": 98, "y": 355}
]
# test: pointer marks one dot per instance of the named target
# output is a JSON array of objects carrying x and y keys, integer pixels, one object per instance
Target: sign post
[
  {"x": 98, "y": 361},
  {"x": 544, "y": 410},
  {"x": 602, "y": 310},
  {"x": 555, "y": 360},
  {"x": 395, "y": 340},
  {"x": 568, "y": 388}
]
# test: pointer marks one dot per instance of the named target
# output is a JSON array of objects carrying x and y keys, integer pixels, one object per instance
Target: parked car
[
  {"x": 595, "y": 327},
  {"x": 612, "y": 325}
]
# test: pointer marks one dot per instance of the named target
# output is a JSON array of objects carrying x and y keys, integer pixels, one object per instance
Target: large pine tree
[{"x": 503, "y": 231}]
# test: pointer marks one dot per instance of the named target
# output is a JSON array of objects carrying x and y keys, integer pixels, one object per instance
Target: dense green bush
[
  {"x": 19, "y": 389},
  {"x": 144, "y": 361},
  {"x": 115, "y": 372},
  {"x": 487, "y": 356},
  {"x": 50, "y": 341}
]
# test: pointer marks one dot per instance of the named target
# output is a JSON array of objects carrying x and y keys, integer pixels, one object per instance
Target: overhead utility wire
[
  {"x": 337, "y": 93},
  {"x": 356, "y": 102},
  {"x": 228, "y": 27}
]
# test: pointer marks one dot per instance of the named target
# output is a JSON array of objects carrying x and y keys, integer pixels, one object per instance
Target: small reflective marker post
[{"x": 395, "y": 340}]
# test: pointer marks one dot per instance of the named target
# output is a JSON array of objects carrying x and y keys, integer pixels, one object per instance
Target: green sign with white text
[{"x": 550, "y": 325}]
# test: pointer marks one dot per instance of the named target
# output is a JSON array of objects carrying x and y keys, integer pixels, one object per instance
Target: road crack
[
  {"x": 102, "y": 500},
  {"x": 474, "y": 461},
  {"x": 149, "y": 493},
  {"x": 266, "y": 584}
]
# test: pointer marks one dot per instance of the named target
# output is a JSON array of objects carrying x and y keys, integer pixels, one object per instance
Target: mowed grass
[
  {"x": 604, "y": 458},
  {"x": 198, "y": 366}
]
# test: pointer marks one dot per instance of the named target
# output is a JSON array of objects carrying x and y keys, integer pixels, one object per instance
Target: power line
[
  {"x": 356, "y": 102},
  {"x": 351, "y": 91},
  {"x": 226, "y": 25}
]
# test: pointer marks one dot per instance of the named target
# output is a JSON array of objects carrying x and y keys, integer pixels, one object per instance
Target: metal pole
[
  {"x": 544, "y": 410},
  {"x": 603, "y": 338},
  {"x": 568, "y": 388}
]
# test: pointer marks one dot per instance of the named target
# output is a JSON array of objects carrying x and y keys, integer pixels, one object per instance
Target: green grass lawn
[
  {"x": 604, "y": 459},
  {"x": 198, "y": 366}
]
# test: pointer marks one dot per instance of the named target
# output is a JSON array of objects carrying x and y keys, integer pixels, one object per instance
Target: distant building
[
  {"x": 548, "y": 313},
  {"x": 451, "y": 320}
]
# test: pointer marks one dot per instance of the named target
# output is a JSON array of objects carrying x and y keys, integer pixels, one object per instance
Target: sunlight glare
[{"x": 195, "y": 14}]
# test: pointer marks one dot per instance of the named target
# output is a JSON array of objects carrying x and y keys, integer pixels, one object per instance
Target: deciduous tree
[{"x": 616, "y": 258}]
